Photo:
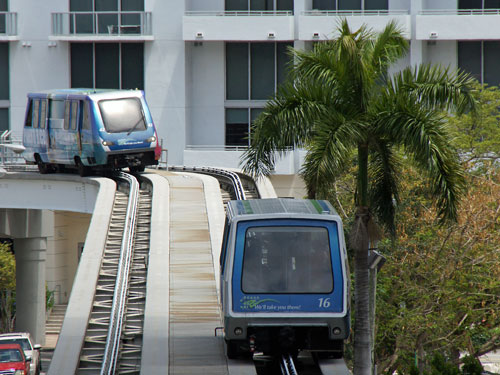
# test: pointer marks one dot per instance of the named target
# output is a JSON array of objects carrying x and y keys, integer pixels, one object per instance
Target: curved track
[{"x": 114, "y": 334}]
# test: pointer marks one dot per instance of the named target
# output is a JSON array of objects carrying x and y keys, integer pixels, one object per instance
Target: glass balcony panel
[
  {"x": 82, "y": 23},
  {"x": 109, "y": 24}
]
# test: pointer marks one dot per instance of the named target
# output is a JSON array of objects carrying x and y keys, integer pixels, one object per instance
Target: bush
[{"x": 472, "y": 366}]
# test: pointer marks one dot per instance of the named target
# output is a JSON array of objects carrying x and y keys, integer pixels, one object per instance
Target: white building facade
[{"x": 208, "y": 66}]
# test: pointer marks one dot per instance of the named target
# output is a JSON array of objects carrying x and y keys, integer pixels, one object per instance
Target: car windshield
[
  {"x": 10, "y": 355},
  {"x": 122, "y": 115},
  {"x": 24, "y": 343},
  {"x": 287, "y": 259}
]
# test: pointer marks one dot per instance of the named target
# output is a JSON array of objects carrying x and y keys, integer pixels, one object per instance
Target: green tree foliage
[
  {"x": 439, "y": 292},
  {"x": 7, "y": 268},
  {"x": 7, "y": 287},
  {"x": 478, "y": 135},
  {"x": 338, "y": 103}
]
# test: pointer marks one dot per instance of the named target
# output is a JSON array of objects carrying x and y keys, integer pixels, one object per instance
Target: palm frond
[
  {"x": 437, "y": 87},
  {"x": 287, "y": 121},
  {"x": 388, "y": 47},
  {"x": 424, "y": 136},
  {"x": 384, "y": 182},
  {"x": 329, "y": 150}
]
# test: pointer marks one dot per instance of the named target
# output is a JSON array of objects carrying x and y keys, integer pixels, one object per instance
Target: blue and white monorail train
[
  {"x": 89, "y": 129},
  {"x": 284, "y": 278}
]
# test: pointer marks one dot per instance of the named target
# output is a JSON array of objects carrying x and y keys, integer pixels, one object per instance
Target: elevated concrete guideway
[
  {"x": 182, "y": 303},
  {"x": 25, "y": 201}
]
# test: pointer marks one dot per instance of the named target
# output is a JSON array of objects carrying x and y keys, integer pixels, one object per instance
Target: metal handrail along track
[
  {"x": 116, "y": 319},
  {"x": 232, "y": 176}
]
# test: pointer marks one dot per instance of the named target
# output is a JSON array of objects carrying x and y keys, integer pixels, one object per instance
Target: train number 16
[{"x": 324, "y": 302}]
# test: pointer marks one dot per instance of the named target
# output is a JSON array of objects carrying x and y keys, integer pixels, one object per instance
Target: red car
[{"x": 12, "y": 360}]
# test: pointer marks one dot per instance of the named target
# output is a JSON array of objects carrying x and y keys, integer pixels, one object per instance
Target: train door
[
  {"x": 71, "y": 140},
  {"x": 42, "y": 137},
  {"x": 85, "y": 130},
  {"x": 55, "y": 129},
  {"x": 223, "y": 257}
]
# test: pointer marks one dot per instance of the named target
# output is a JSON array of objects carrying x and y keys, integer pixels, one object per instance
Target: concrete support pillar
[
  {"x": 417, "y": 46},
  {"x": 30, "y": 286}
]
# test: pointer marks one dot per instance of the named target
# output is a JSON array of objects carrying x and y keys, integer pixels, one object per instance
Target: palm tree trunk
[
  {"x": 362, "y": 342},
  {"x": 360, "y": 241}
]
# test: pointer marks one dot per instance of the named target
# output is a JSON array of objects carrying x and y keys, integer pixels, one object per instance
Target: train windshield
[
  {"x": 287, "y": 259},
  {"x": 122, "y": 115}
]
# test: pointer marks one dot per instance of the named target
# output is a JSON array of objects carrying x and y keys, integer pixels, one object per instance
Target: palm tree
[{"x": 340, "y": 102}]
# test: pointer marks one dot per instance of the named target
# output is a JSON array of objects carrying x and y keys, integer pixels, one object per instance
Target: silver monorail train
[{"x": 284, "y": 278}]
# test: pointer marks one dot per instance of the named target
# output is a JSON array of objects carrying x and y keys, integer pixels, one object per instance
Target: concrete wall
[
  {"x": 33, "y": 64},
  {"x": 205, "y": 85},
  {"x": 165, "y": 75},
  {"x": 70, "y": 230},
  {"x": 288, "y": 186}
]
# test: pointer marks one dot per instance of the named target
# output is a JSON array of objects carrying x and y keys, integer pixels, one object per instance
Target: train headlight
[
  {"x": 337, "y": 331},
  {"x": 238, "y": 331},
  {"x": 151, "y": 139},
  {"x": 108, "y": 143}
]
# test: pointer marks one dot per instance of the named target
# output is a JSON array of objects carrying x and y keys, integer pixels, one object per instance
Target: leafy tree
[
  {"x": 7, "y": 268},
  {"x": 340, "y": 102},
  {"x": 7, "y": 286},
  {"x": 478, "y": 135},
  {"x": 472, "y": 366},
  {"x": 439, "y": 290}
]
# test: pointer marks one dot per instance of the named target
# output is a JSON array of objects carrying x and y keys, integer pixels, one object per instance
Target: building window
[
  {"x": 107, "y": 65},
  {"x": 102, "y": 15},
  {"x": 480, "y": 59},
  {"x": 4, "y": 7},
  {"x": 253, "y": 73},
  {"x": 351, "y": 4},
  {"x": 259, "y": 5},
  {"x": 238, "y": 121},
  {"x": 478, "y": 4}
]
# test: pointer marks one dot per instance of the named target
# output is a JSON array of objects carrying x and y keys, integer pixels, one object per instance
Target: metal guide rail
[
  {"x": 287, "y": 365},
  {"x": 113, "y": 340},
  {"x": 234, "y": 178}
]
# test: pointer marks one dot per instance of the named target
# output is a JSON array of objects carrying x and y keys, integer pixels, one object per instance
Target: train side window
[
  {"x": 74, "y": 113},
  {"x": 36, "y": 108},
  {"x": 43, "y": 113},
  {"x": 225, "y": 236},
  {"x": 67, "y": 109},
  {"x": 86, "y": 119},
  {"x": 29, "y": 115},
  {"x": 56, "y": 114}
]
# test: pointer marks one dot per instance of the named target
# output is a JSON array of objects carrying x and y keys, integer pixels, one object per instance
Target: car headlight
[
  {"x": 108, "y": 143},
  {"x": 151, "y": 139},
  {"x": 19, "y": 372}
]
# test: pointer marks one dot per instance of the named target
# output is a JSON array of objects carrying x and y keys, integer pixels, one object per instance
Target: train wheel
[
  {"x": 138, "y": 168},
  {"x": 232, "y": 349},
  {"x": 42, "y": 167},
  {"x": 83, "y": 170}
]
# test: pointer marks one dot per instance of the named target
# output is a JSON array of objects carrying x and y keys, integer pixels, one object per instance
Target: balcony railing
[
  {"x": 460, "y": 12},
  {"x": 346, "y": 13},
  {"x": 102, "y": 23},
  {"x": 239, "y": 13},
  {"x": 8, "y": 24}
]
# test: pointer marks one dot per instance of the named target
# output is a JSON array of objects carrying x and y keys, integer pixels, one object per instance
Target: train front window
[
  {"x": 122, "y": 115},
  {"x": 287, "y": 259}
]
